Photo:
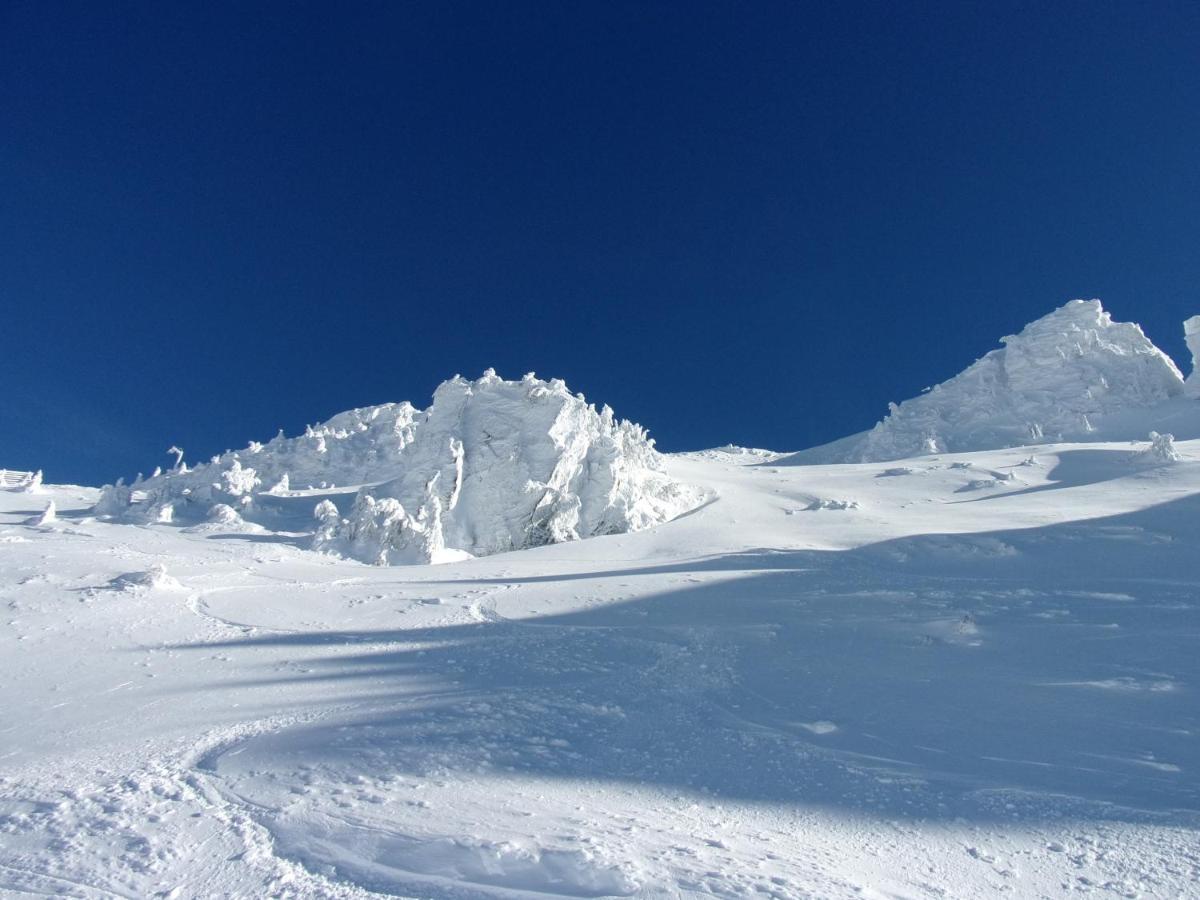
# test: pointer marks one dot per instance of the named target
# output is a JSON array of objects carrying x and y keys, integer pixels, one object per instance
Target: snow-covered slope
[
  {"x": 491, "y": 466},
  {"x": 1074, "y": 374},
  {"x": 965, "y": 677}
]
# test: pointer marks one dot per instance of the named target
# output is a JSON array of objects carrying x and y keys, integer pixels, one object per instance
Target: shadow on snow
[{"x": 914, "y": 677}]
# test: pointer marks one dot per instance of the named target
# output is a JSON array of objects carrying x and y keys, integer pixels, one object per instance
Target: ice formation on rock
[
  {"x": 1053, "y": 381},
  {"x": 501, "y": 465}
]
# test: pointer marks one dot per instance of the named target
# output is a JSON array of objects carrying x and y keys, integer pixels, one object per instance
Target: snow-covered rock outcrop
[
  {"x": 502, "y": 465},
  {"x": 1056, "y": 380},
  {"x": 492, "y": 465}
]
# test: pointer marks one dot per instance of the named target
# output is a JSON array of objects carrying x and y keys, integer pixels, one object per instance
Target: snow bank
[
  {"x": 501, "y": 465},
  {"x": 1053, "y": 381}
]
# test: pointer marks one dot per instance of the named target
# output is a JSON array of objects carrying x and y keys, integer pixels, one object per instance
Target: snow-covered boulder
[
  {"x": 501, "y": 465},
  {"x": 1056, "y": 380}
]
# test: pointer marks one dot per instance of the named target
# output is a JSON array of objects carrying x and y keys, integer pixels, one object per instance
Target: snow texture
[
  {"x": 937, "y": 693},
  {"x": 1056, "y": 380}
]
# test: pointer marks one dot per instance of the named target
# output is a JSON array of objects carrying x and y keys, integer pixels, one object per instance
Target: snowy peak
[
  {"x": 1058, "y": 379},
  {"x": 1087, "y": 361}
]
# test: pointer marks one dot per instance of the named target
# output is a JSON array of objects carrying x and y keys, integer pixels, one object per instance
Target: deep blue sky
[{"x": 746, "y": 222}]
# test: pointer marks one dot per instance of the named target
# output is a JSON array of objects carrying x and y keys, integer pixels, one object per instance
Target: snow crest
[
  {"x": 504, "y": 465},
  {"x": 1053, "y": 381}
]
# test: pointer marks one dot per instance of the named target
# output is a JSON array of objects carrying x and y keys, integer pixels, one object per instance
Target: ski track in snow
[{"x": 824, "y": 683}]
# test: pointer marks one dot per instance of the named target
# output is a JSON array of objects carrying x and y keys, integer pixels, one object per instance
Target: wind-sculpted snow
[
  {"x": 1059, "y": 379},
  {"x": 356, "y": 446},
  {"x": 504, "y": 465},
  {"x": 491, "y": 466},
  {"x": 1191, "y": 331}
]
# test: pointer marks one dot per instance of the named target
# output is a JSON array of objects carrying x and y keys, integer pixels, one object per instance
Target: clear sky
[{"x": 745, "y": 222}]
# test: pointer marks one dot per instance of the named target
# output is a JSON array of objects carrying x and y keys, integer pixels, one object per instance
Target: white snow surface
[
  {"x": 491, "y": 466},
  {"x": 1074, "y": 374},
  {"x": 968, "y": 675}
]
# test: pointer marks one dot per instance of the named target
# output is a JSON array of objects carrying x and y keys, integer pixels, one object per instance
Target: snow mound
[
  {"x": 1054, "y": 381},
  {"x": 819, "y": 504},
  {"x": 155, "y": 577},
  {"x": 501, "y": 465}
]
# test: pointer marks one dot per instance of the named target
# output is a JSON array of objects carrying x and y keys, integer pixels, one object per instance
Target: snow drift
[
  {"x": 492, "y": 465},
  {"x": 1059, "y": 379}
]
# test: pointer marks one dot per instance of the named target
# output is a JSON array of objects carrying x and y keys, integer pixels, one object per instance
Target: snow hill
[
  {"x": 969, "y": 676},
  {"x": 1074, "y": 374},
  {"x": 957, "y": 674},
  {"x": 491, "y": 466}
]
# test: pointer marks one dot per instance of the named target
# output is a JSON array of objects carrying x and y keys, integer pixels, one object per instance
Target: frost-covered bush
[
  {"x": 1161, "y": 450},
  {"x": 115, "y": 500}
]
